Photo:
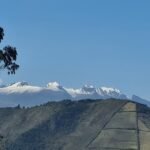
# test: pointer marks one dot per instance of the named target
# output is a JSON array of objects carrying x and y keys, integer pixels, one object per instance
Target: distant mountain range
[{"x": 27, "y": 95}]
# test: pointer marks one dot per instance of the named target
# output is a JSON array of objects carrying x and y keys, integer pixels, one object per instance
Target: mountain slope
[
  {"x": 140, "y": 100},
  {"x": 78, "y": 125}
]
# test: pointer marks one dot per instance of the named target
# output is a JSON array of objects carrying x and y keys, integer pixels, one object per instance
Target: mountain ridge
[
  {"x": 76, "y": 125},
  {"x": 27, "y": 95}
]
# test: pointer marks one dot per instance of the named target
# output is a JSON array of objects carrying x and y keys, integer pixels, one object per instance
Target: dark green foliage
[
  {"x": 59, "y": 125},
  {"x": 1, "y": 34},
  {"x": 8, "y": 56}
]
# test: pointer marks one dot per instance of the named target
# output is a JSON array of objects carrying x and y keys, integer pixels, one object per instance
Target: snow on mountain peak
[
  {"x": 112, "y": 93},
  {"x": 110, "y": 90},
  {"x": 54, "y": 86},
  {"x": 27, "y": 95},
  {"x": 19, "y": 84},
  {"x": 88, "y": 89}
]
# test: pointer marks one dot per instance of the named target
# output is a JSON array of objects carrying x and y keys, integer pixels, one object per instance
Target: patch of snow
[
  {"x": 19, "y": 84},
  {"x": 27, "y": 95},
  {"x": 54, "y": 86},
  {"x": 110, "y": 90}
]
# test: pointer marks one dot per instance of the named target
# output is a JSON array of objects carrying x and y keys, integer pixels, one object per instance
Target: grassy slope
[{"x": 59, "y": 125}]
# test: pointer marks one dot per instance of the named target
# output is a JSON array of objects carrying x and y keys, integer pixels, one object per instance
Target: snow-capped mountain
[
  {"x": 27, "y": 95},
  {"x": 95, "y": 93}
]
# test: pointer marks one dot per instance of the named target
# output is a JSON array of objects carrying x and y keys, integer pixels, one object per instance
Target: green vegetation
[
  {"x": 8, "y": 56},
  {"x": 78, "y": 125}
]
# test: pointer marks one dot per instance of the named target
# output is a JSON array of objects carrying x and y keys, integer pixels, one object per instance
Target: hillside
[{"x": 79, "y": 125}]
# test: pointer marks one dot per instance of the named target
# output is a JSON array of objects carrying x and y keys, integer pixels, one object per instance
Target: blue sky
[{"x": 104, "y": 43}]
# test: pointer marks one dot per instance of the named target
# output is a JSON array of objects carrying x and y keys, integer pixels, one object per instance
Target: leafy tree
[{"x": 8, "y": 56}]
